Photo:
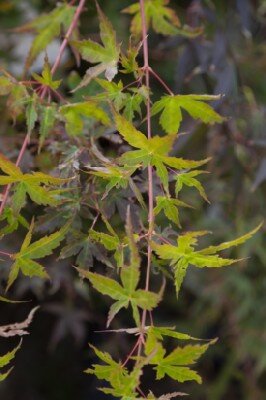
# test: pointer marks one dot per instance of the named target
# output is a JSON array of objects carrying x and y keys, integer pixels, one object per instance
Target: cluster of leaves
[{"x": 109, "y": 182}]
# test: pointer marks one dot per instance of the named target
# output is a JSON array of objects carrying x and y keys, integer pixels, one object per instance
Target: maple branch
[
  {"x": 150, "y": 169},
  {"x": 68, "y": 34},
  {"x": 53, "y": 70},
  {"x": 159, "y": 79}
]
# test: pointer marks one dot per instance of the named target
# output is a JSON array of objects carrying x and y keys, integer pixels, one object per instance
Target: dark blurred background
[{"x": 229, "y": 58}]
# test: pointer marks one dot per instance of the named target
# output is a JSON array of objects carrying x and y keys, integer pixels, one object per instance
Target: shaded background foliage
[{"x": 229, "y": 58}]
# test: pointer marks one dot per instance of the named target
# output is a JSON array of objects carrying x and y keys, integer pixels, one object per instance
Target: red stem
[
  {"x": 159, "y": 79},
  {"x": 131, "y": 353},
  {"x": 150, "y": 170},
  {"x": 55, "y": 66}
]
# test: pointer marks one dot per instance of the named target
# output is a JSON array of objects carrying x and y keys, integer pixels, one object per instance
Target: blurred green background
[{"x": 229, "y": 58}]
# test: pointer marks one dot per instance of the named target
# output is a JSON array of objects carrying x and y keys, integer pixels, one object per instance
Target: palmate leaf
[
  {"x": 154, "y": 151},
  {"x": 129, "y": 101},
  {"x": 129, "y": 60},
  {"x": 189, "y": 179},
  {"x": 171, "y": 110},
  {"x": 123, "y": 295},
  {"x": 161, "y": 18},
  {"x": 116, "y": 176},
  {"x": 47, "y": 27},
  {"x": 127, "y": 292},
  {"x": 113, "y": 92},
  {"x": 111, "y": 242},
  {"x": 177, "y": 363},
  {"x": 46, "y": 78},
  {"x": 170, "y": 208},
  {"x": 106, "y": 56},
  {"x": 75, "y": 113},
  {"x": 123, "y": 383},
  {"x": 29, "y": 184},
  {"x": 13, "y": 220},
  {"x": 24, "y": 259},
  {"x": 184, "y": 254}
]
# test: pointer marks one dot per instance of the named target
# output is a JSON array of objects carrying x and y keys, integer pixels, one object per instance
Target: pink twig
[
  {"x": 159, "y": 79},
  {"x": 131, "y": 353},
  {"x": 150, "y": 170}
]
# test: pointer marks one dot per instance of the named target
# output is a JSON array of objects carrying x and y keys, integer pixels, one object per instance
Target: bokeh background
[{"x": 229, "y": 58}]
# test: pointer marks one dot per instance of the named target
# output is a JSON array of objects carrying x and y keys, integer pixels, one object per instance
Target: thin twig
[
  {"x": 159, "y": 79},
  {"x": 131, "y": 353},
  {"x": 150, "y": 169}
]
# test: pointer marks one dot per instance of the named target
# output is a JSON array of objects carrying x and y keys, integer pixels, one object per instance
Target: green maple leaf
[
  {"x": 13, "y": 220},
  {"x": 118, "y": 177},
  {"x": 106, "y": 56},
  {"x": 129, "y": 60},
  {"x": 130, "y": 101},
  {"x": 24, "y": 260},
  {"x": 177, "y": 363},
  {"x": 170, "y": 208},
  {"x": 154, "y": 151},
  {"x": 189, "y": 179},
  {"x": 123, "y": 383},
  {"x": 111, "y": 242},
  {"x": 171, "y": 110},
  {"x": 36, "y": 185},
  {"x": 46, "y": 78},
  {"x": 113, "y": 92},
  {"x": 125, "y": 293},
  {"x": 158, "y": 16},
  {"x": 5, "y": 360},
  {"x": 75, "y": 113},
  {"x": 184, "y": 254},
  {"x": 47, "y": 27}
]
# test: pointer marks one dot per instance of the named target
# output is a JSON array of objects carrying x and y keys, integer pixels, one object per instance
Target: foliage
[{"x": 103, "y": 182}]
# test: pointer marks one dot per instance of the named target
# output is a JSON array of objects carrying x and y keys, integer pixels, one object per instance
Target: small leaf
[
  {"x": 75, "y": 113},
  {"x": 104, "y": 285},
  {"x": 162, "y": 18},
  {"x": 46, "y": 78},
  {"x": 171, "y": 107},
  {"x": 184, "y": 254},
  {"x": 169, "y": 207},
  {"x": 188, "y": 179},
  {"x": 47, "y": 27},
  {"x": 106, "y": 56}
]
